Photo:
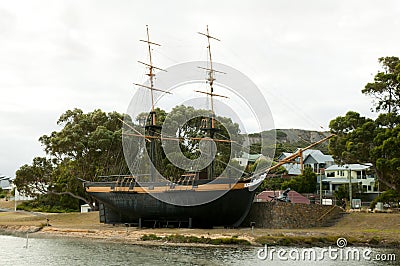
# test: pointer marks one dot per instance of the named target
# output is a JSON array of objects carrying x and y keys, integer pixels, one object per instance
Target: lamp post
[
  {"x": 320, "y": 185},
  {"x": 350, "y": 187},
  {"x": 15, "y": 198}
]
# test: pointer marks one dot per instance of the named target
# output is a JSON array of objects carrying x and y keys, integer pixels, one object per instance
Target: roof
[
  {"x": 4, "y": 177},
  {"x": 346, "y": 167},
  {"x": 292, "y": 169},
  {"x": 316, "y": 154},
  {"x": 336, "y": 180},
  {"x": 319, "y": 157},
  {"x": 250, "y": 157},
  {"x": 284, "y": 155},
  {"x": 294, "y": 196},
  {"x": 5, "y": 182}
]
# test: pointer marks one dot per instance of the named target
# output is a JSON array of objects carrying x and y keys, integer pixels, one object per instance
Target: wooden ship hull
[{"x": 136, "y": 206}]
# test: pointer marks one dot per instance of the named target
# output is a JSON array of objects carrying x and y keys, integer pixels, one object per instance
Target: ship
[{"x": 197, "y": 199}]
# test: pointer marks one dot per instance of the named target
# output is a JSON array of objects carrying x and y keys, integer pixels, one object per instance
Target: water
[{"x": 86, "y": 252}]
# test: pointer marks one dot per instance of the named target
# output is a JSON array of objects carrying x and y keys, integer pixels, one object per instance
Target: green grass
[
  {"x": 296, "y": 240},
  {"x": 29, "y": 206},
  {"x": 150, "y": 237}
]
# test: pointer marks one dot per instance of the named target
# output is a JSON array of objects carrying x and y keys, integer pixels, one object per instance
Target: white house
[
  {"x": 362, "y": 174},
  {"x": 5, "y": 182}
]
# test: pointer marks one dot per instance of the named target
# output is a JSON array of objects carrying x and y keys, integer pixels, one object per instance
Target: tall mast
[
  {"x": 211, "y": 78},
  {"x": 210, "y": 127},
  {"x": 151, "y": 128},
  {"x": 151, "y": 75}
]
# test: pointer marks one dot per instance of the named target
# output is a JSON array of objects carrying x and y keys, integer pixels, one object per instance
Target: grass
[
  {"x": 296, "y": 240},
  {"x": 177, "y": 238}
]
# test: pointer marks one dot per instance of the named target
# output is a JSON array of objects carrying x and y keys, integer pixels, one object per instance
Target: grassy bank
[{"x": 360, "y": 229}]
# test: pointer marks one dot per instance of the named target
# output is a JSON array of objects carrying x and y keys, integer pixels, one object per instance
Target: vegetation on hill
[{"x": 287, "y": 140}]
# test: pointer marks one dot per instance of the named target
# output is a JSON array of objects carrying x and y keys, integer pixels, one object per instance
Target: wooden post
[{"x": 301, "y": 161}]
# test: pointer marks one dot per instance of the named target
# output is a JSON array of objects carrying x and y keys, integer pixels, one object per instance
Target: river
[{"x": 73, "y": 252}]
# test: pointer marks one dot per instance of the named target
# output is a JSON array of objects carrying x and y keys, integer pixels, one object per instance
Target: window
[
  {"x": 369, "y": 188},
  {"x": 330, "y": 174}
]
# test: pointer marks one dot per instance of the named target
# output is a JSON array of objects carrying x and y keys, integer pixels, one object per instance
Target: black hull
[{"x": 228, "y": 210}]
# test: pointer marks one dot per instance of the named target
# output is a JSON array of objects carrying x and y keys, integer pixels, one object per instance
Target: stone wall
[{"x": 290, "y": 215}]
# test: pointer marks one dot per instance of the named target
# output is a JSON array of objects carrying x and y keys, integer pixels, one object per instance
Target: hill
[{"x": 288, "y": 140}]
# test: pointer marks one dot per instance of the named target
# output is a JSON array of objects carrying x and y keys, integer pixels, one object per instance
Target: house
[
  {"x": 294, "y": 196},
  {"x": 247, "y": 158},
  {"x": 316, "y": 159},
  {"x": 337, "y": 175},
  {"x": 5, "y": 183}
]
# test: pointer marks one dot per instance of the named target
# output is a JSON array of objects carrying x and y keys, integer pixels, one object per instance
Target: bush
[
  {"x": 50, "y": 203},
  {"x": 3, "y": 193},
  {"x": 305, "y": 183},
  {"x": 386, "y": 197},
  {"x": 150, "y": 237}
]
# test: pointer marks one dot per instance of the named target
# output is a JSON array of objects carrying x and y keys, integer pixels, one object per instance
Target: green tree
[
  {"x": 363, "y": 140},
  {"x": 385, "y": 89},
  {"x": 186, "y": 122},
  {"x": 274, "y": 179},
  {"x": 343, "y": 192},
  {"x": 33, "y": 180},
  {"x": 389, "y": 196},
  {"x": 87, "y": 146},
  {"x": 305, "y": 183}
]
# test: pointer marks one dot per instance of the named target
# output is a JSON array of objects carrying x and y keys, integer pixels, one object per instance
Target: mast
[
  {"x": 210, "y": 125},
  {"x": 152, "y": 127},
  {"x": 151, "y": 75}
]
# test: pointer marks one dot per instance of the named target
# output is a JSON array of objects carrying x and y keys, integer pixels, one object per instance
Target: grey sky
[{"x": 309, "y": 58}]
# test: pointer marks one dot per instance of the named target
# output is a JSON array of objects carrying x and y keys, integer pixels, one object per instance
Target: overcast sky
[{"x": 310, "y": 59}]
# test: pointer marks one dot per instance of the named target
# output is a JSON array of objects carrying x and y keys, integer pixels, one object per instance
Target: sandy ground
[{"x": 357, "y": 227}]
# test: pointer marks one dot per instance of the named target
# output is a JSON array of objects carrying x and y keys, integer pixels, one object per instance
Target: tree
[
  {"x": 87, "y": 146},
  {"x": 390, "y": 196},
  {"x": 343, "y": 191},
  {"x": 274, "y": 179},
  {"x": 186, "y": 122},
  {"x": 386, "y": 86},
  {"x": 363, "y": 140},
  {"x": 32, "y": 180},
  {"x": 305, "y": 183}
]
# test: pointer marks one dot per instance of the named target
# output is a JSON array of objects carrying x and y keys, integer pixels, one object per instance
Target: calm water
[{"x": 85, "y": 252}]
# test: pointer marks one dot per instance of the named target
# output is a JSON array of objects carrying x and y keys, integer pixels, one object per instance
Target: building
[
  {"x": 315, "y": 159},
  {"x": 6, "y": 183},
  {"x": 337, "y": 175},
  {"x": 247, "y": 158},
  {"x": 294, "y": 196}
]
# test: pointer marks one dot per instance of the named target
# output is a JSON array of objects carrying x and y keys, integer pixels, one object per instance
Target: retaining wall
[{"x": 291, "y": 215}]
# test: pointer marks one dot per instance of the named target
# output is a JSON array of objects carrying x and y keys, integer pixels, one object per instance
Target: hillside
[{"x": 288, "y": 140}]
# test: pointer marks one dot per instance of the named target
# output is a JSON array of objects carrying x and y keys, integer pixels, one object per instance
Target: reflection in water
[{"x": 84, "y": 252}]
